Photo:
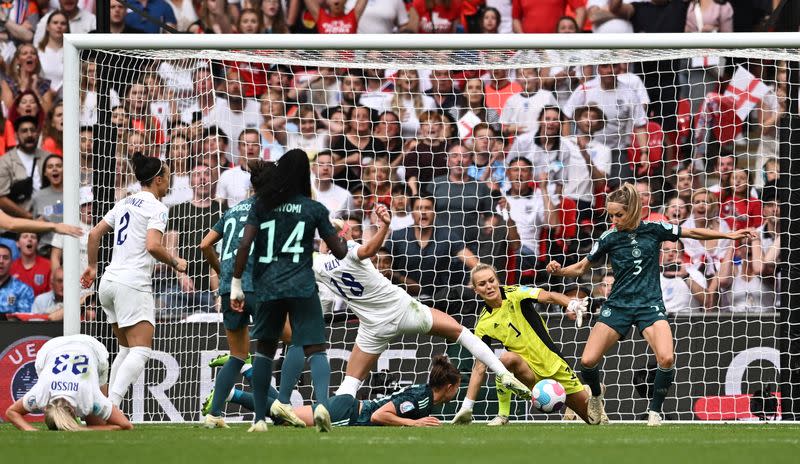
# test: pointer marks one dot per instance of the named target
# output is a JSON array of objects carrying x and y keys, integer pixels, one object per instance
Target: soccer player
[
  {"x": 125, "y": 290},
  {"x": 70, "y": 371},
  {"x": 634, "y": 247},
  {"x": 409, "y": 407},
  {"x": 281, "y": 225},
  {"x": 230, "y": 229},
  {"x": 385, "y": 311},
  {"x": 509, "y": 317}
]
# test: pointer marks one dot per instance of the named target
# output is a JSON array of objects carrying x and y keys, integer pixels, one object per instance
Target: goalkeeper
[{"x": 509, "y": 317}]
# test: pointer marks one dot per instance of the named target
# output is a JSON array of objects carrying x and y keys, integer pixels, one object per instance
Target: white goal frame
[{"x": 74, "y": 43}]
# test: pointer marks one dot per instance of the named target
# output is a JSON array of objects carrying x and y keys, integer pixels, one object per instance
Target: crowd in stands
[{"x": 504, "y": 166}]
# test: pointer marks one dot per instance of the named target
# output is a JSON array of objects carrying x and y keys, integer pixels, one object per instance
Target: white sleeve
[
  {"x": 58, "y": 241},
  {"x": 576, "y": 99},
  {"x": 111, "y": 216},
  {"x": 30, "y": 399},
  {"x": 158, "y": 220},
  {"x": 40, "y": 304},
  {"x": 102, "y": 406},
  {"x": 639, "y": 116},
  {"x": 400, "y": 11},
  {"x": 352, "y": 251},
  {"x": 697, "y": 276}
]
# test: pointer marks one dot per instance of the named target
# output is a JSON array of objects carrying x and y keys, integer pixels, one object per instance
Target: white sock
[
  {"x": 349, "y": 386},
  {"x": 123, "y": 353},
  {"x": 129, "y": 371},
  {"x": 467, "y": 404},
  {"x": 481, "y": 352}
]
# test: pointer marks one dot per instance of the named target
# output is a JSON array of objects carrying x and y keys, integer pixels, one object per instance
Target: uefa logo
[{"x": 18, "y": 370}]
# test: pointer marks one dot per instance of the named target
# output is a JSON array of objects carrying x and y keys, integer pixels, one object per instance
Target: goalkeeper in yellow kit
[{"x": 508, "y": 317}]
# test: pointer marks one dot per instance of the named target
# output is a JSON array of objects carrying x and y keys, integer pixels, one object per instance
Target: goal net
[{"x": 499, "y": 156}]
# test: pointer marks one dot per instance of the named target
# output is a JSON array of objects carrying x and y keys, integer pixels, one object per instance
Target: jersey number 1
[{"x": 292, "y": 245}]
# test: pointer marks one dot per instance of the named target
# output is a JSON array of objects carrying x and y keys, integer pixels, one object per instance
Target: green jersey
[
  {"x": 231, "y": 227},
  {"x": 284, "y": 246},
  {"x": 413, "y": 402},
  {"x": 635, "y": 262}
]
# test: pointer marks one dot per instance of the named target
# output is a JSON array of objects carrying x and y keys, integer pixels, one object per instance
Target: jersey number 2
[
  {"x": 292, "y": 245},
  {"x": 124, "y": 221}
]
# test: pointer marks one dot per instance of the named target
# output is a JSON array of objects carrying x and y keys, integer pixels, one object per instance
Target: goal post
[{"x": 659, "y": 125}]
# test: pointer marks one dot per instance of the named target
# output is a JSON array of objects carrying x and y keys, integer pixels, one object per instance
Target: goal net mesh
[{"x": 517, "y": 150}]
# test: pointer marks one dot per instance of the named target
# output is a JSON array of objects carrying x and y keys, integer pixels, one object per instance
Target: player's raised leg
[
  {"x": 444, "y": 325},
  {"x": 600, "y": 340},
  {"x": 659, "y": 337}
]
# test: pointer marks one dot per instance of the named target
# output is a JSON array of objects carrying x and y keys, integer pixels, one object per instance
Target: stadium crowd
[{"x": 504, "y": 166}]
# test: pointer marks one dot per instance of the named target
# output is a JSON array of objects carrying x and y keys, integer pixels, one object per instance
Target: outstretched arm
[
  {"x": 359, "y": 8},
  {"x": 574, "y": 270},
  {"x": 16, "y": 415},
  {"x": 709, "y": 234},
  {"x": 374, "y": 244},
  {"x": 387, "y": 415}
]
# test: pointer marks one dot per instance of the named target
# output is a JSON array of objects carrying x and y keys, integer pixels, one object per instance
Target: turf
[{"x": 528, "y": 443}]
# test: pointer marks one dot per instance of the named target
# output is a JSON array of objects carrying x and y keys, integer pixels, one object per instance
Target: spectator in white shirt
[
  {"x": 52, "y": 302},
  {"x": 606, "y": 22},
  {"x": 683, "y": 288},
  {"x": 334, "y": 198},
  {"x": 383, "y": 17},
  {"x": 234, "y": 184},
  {"x": 522, "y": 110},
  {"x": 51, "y": 49},
  {"x": 80, "y": 21},
  {"x": 234, "y": 112},
  {"x": 621, "y": 104}
]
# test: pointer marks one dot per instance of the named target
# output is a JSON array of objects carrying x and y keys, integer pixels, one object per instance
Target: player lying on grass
[
  {"x": 410, "y": 406},
  {"x": 386, "y": 311},
  {"x": 509, "y": 317},
  {"x": 633, "y": 247},
  {"x": 70, "y": 370}
]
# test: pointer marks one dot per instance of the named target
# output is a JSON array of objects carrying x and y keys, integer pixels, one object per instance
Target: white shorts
[
  {"x": 414, "y": 318},
  {"x": 126, "y": 306}
]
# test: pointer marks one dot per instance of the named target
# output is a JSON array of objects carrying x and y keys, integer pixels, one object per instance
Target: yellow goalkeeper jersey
[{"x": 520, "y": 329}]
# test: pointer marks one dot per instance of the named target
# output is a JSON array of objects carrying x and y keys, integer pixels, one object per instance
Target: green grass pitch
[{"x": 524, "y": 443}]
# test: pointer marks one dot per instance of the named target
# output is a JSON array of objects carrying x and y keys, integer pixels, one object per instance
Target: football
[{"x": 548, "y": 396}]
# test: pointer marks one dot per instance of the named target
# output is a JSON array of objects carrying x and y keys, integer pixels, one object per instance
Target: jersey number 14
[{"x": 292, "y": 245}]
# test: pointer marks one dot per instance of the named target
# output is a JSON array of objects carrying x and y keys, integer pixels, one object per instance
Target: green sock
[
  {"x": 591, "y": 377},
  {"x": 503, "y": 400},
  {"x": 262, "y": 377},
  {"x": 320, "y": 376},
  {"x": 293, "y": 363},
  {"x": 224, "y": 382},
  {"x": 663, "y": 381}
]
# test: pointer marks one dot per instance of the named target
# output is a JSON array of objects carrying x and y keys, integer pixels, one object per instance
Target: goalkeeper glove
[
  {"x": 579, "y": 307},
  {"x": 236, "y": 289},
  {"x": 463, "y": 417}
]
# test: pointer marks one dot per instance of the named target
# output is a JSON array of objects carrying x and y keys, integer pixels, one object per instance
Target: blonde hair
[
  {"x": 631, "y": 202},
  {"x": 397, "y": 104},
  {"x": 478, "y": 268},
  {"x": 60, "y": 415}
]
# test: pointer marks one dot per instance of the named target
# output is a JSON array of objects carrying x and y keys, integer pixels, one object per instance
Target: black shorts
[{"x": 305, "y": 317}]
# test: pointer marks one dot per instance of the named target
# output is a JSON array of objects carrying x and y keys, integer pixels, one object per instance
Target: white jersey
[
  {"x": 369, "y": 294},
  {"x": 131, "y": 218},
  {"x": 71, "y": 367}
]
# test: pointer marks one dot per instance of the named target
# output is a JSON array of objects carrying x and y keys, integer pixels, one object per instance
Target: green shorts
[
  {"x": 343, "y": 409},
  {"x": 621, "y": 319},
  {"x": 305, "y": 317},
  {"x": 233, "y": 320}
]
